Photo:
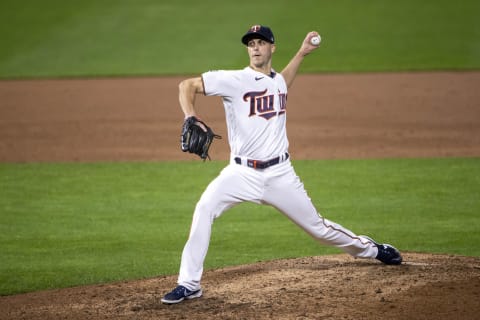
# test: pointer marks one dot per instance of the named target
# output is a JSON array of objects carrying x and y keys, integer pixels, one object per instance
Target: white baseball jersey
[{"x": 255, "y": 109}]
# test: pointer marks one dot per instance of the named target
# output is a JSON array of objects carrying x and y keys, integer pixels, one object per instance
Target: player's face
[{"x": 260, "y": 52}]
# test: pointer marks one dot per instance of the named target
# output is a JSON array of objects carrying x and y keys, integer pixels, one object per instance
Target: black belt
[{"x": 257, "y": 164}]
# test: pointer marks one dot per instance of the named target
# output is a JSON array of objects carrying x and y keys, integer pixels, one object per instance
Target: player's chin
[
  {"x": 256, "y": 59},
  {"x": 257, "y": 63}
]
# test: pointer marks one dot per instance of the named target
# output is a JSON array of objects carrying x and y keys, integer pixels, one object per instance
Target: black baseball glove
[{"x": 194, "y": 139}]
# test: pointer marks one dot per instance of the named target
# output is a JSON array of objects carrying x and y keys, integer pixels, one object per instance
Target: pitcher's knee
[{"x": 207, "y": 209}]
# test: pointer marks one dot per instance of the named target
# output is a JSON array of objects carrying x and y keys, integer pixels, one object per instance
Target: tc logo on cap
[{"x": 255, "y": 28}]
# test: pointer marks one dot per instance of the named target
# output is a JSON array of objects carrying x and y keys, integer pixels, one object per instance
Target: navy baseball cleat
[
  {"x": 387, "y": 253},
  {"x": 181, "y": 293}
]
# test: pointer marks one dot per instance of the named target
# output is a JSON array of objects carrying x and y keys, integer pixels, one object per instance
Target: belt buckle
[{"x": 255, "y": 164}]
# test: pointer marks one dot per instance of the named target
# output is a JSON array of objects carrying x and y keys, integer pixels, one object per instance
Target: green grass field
[
  {"x": 54, "y": 38},
  {"x": 73, "y": 224}
]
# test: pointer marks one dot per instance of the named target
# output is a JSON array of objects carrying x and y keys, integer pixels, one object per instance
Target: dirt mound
[{"x": 325, "y": 287}]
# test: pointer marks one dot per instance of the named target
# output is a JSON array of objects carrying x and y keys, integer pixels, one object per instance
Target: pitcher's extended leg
[{"x": 291, "y": 199}]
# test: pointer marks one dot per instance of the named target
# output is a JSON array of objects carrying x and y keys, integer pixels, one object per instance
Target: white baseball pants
[{"x": 278, "y": 186}]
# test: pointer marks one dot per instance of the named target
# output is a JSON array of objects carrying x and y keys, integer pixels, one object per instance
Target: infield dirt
[{"x": 330, "y": 116}]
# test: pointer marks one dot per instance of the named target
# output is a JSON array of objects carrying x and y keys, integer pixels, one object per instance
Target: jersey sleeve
[{"x": 219, "y": 83}]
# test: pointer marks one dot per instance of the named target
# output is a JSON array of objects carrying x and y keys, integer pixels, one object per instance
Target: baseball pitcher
[{"x": 260, "y": 171}]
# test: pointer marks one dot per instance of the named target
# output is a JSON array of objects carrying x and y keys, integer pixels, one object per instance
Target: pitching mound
[{"x": 325, "y": 287}]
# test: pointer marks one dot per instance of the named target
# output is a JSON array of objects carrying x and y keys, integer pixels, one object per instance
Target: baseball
[{"x": 315, "y": 40}]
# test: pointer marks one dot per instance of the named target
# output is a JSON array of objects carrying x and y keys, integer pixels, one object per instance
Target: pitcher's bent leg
[
  {"x": 228, "y": 189},
  {"x": 195, "y": 250},
  {"x": 207, "y": 209}
]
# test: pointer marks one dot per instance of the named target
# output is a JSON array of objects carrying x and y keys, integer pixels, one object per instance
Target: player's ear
[{"x": 273, "y": 48}]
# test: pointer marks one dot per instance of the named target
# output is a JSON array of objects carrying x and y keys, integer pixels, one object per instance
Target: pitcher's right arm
[{"x": 187, "y": 90}]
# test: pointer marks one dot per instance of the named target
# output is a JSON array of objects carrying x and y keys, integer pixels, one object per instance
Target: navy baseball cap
[{"x": 258, "y": 32}]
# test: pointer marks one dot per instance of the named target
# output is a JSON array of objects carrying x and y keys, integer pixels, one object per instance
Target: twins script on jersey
[{"x": 255, "y": 109}]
